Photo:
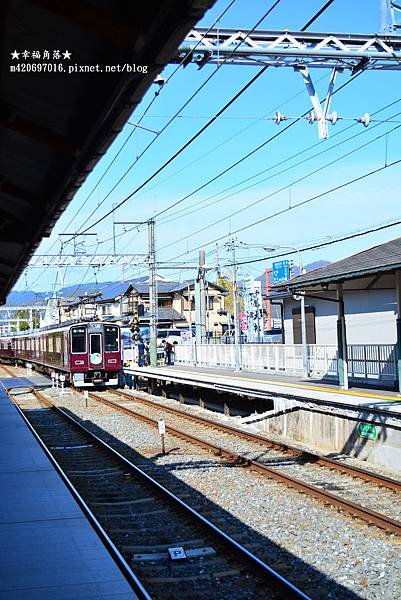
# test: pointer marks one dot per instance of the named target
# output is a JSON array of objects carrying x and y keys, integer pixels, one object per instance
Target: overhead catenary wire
[
  {"x": 248, "y": 155},
  {"x": 285, "y": 187},
  {"x": 230, "y": 138},
  {"x": 291, "y": 208},
  {"x": 182, "y": 214},
  {"x": 197, "y": 206},
  {"x": 140, "y": 118},
  {"x": 164, "y": 127},
  {"x": 323, "y": 7},
  {"x": 342, "y": 238},
  {"x": 189, "y": 142},
  {"x": 210, "y": 122}
]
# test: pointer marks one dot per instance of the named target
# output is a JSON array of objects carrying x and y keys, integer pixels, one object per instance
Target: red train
[{"x": 87, "y": 353}]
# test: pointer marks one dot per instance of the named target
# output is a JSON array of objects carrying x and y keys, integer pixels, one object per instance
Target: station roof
[
  {"x": 55, "y": 126},
  {"x": 370, "y": 269}
]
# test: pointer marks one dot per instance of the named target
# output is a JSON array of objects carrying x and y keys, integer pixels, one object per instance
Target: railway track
[
  {"x": 7, "y": 370},
  {"x": 146, "y": 522},
  {"x": 363, "y": 494}
]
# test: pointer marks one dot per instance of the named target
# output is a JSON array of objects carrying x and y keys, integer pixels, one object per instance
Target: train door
[{"x": 95, "y": 350}]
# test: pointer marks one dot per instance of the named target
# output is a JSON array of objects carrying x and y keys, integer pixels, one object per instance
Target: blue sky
[{"x": 365, "y": 203}]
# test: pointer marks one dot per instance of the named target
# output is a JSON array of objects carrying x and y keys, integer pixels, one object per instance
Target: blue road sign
[{"x": 281, "y": 271}]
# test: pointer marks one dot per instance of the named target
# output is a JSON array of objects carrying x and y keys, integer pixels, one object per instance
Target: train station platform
[
  {"x": 356, "y": 423},
  {"x": 261, "y": 385},
  {"x": 48, "y": 548}
]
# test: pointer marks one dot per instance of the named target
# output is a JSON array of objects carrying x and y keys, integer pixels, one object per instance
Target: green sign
[{"x": 367, "y": 430}]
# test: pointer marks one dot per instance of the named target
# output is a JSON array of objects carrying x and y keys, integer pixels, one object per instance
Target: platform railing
[{"x": 366, "y": 362}]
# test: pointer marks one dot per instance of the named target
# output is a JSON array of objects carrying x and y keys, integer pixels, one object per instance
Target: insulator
[
  {"x": 278, "y": 117},
  {"x": 365, "y": 119},
  {"x": 333, "y": 117},
  {"x": 312, "y": 117}
]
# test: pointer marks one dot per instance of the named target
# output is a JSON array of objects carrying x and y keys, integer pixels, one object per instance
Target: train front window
[
  {"x": 78, "y": 340},
  {"x": 95, "y": 344},
  {"x": 110, "y": 339}
]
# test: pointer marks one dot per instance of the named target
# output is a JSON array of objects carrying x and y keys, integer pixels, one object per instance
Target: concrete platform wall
[{"x": 340, "y": 433}]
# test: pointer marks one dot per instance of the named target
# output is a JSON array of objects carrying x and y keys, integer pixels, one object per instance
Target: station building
[{"x": 352, "y": 306}]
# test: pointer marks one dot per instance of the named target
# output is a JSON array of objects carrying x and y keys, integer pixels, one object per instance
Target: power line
[
  {"x": 281, "y": 189},
  {"x": 372, "y": 229},
  {"x": 166, "y": 125},
  {"x": 201, "y": 131},
  {"x": 317, "y": 15},
  {"x": 189, "y": 142},
  {"x": 207, "y": 154},
  {"x": 207, "y": 125},
  {"x": 248, "y": 155},
  {"x": 193, "y": 208},
  {"x": 141, "y": 117},
  {"x": 133, "y": 131},
  {"x": 284, "y": 161},
  {"x": 290, "y": 208}
]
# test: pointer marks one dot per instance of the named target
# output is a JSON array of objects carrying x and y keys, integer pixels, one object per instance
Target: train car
[
  {"x": 87, "y": 353},
  {"x": 7, "y": 349}
]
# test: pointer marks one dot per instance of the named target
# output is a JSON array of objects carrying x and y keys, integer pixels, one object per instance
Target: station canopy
[
  {"x": 55, "y": 126},
  {"x": 370, "y": 269}
]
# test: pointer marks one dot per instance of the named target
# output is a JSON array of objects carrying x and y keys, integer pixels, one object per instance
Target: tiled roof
[
  {"x": 168, "y": 287},
  {"x": 164, "y": 314},
  {"x": 111, "y": 291},
  {"x": 379, "y": 259}
]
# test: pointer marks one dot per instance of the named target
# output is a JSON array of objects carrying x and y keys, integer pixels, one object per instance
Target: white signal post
[{"x": 162, "y": 432}]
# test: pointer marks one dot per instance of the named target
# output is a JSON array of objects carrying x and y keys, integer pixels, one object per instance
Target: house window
[{"x": 165, "y": 303}]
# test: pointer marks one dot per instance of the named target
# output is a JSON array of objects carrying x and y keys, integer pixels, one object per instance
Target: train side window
[
  {"x": 78, "y": 340},
  {"x": 110, "y": 339},
  {"x": 58, "y": 342}
]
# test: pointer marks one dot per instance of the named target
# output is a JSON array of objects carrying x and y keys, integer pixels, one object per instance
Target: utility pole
[
  {"x": 200, "y": 301},
  {"x": 231, "y": 246},
  {"x": 152, "y": 294},
  {"x": 218, "y": 270}
]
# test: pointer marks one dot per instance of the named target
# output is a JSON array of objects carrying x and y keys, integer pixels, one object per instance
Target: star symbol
[
  {"x": 15, "y": 54},
  {"x": 67, "y": 54}
]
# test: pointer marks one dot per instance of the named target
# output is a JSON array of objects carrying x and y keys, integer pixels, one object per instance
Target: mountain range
[{"x": 30, "y": 298}]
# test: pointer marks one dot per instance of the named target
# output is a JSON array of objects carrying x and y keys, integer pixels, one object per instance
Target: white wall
[{"x": 369, "y": 315}]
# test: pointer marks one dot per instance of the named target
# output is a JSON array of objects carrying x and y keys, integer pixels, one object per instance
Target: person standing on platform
[
  {"x": 141, "y": 353},
  {"x": 168, "y": 349}
]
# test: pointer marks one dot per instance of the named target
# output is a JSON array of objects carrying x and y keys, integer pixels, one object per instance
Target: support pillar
[
  {"x": 226, "y": 409},
  {"x": 201, "y": 400},
  {"x": 151, "y": 386},
  {"x": 164, "y": 390},
  {"x": 398, "y": 325},
  {"x": 305, "y": 362},
  {"x": 342, "y": 339},
  {"x": 181, "y": 397}
]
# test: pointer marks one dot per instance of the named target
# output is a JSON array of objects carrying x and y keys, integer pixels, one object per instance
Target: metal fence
[{"x": 366, "y": 362}]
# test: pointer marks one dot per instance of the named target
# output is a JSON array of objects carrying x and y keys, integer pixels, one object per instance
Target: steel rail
[
  {"x": 319, "y": 459},
  {"x": 7, "y": 369},
  {"x": 366, "y": 514},
  {"x": 119, "y": 560},
  {"x": 260, "y": 566}
]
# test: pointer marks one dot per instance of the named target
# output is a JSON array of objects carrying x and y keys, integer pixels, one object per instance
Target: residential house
[{"x": 176, "y": 304}]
